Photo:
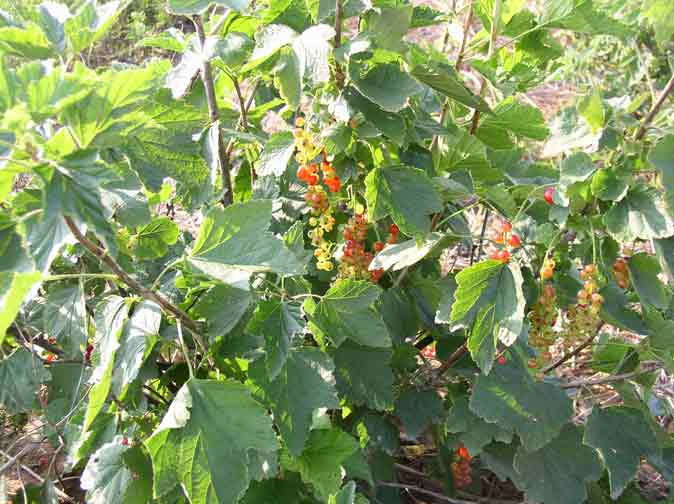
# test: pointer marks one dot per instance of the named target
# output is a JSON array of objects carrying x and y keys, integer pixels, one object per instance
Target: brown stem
[
  {"x": 242, "y": 104},
  {"x": 339, "y": 73},
  {"x": 459, "y": 61},
  {"x": 574, "y": 352},
  {"x": 423, "y": 491},
  {"x": 214, "y": 115},
  {"x": 451, "y": 360},
  {"x": 655, "y": 109},
  {"x": 103, "y": 256},
  {"x": 610, "y": 379}
]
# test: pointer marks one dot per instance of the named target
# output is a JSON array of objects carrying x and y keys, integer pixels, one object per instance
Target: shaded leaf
[
  {"x": 304, "y": 384},
  {"x": 212, "y": 441},
  {"x": 623, "y": 437},
  {"x": 21, "y": 375}
]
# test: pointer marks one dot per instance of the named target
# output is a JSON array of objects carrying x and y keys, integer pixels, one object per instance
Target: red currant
[{"x": 548, "y": 195}]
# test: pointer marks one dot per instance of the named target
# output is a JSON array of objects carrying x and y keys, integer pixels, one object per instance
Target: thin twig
[
  {"x": 40, "y": 479},
  {"x": 214, "y": 114},
  {"x": 430, "y": 493},
  {"x": 457, "y": 66},
  {"x": 242, "y": 107},
  {"x": 106, "y": 259},
  {"x": 574, "y": 352},
  {"x": 655, "y": 109},
  {"x": 485, "y": 219},
  {"x": 183, "y": 347},
  {"x": 458, "y": 353},
  {"x": 610, "y": 379},
  {"x": 339, "y": 73},
  {"x": 11, "y": 461}
]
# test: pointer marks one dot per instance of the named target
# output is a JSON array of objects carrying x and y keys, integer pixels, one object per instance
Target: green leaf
[
  {"x": 346, "y": 495},
  {"x": 304, "y": 384},
  {"x": 65, "y": 317},
  {"x": 277, "y": 152},
  {"x": 622, "y": 436},
  {"x": 14, "y": 287},
  {"x": 418, "y": 409},
  {"x": 664, "y": 249},
  {"x": 278, "y": 322},
  {"x": 662, "y": 156},
  {"x": 269, "y": 40},
  {"x": 387, "y": 85},
  {"x": 235, "y": 241},
  {"x": 189, "y": 7},
  {"x": 577, "y": 167},
  {"x": 347, "y": 311},
  {"x": 615, "y": 311},
  {"x": 557, "y": 473},
  {"x": 591, "y": 107},
  {"x": 289, "y": 81},
  {"x": 234, "y": 49},
  {"x": 74, "y": 190},
  {"x": 473, "y": 431},
  {"x": 28, "y": 41},
  {"x": 489, "y": 300},
  {"x": 510, "y": 396},
  {"x": 404, "y": 193},
  {"x": 661, "y": 14},
  {"x": 21, "y": 375},
  {"x": 153, "y": 240},
  {"x": 221, "y": 317},
  {"x": 212, "y": 441},
  {"x": 449, "y": 83},
  {"x": 409, "y": 252},
  {"x": 99, "y": 118},
  {"x": 134, "y": 344},
  {"x": 642, "y": 214},
  {"x": 166, "y": 148},
  {"x": 321, "y": 461},
  {"x": 388, "y": 123},
  {"x": 170, "y": 40},
  {"x": 288, "y": 489},
  {"x": 111, "y": 317},
  {"x": 313, "y": 49},
  {"x": 644, "y": 271},
  {"x": 510, "y": 115},
  {"x": 106, "y": 478},
  {"x": 90, "y": 23},
  {"x": 607, "y": 186},
  {"x": 580, "y": 16},
  {"x": 388, "y": 26},
  {"x": 364, "y": 375}
]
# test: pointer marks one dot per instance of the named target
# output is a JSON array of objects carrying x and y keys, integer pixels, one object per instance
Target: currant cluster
[
  {"x": 88, "y": 352},
  {"x": 505, "y": 237},
  {"x": 543, "y": 318},
  {"x": 322, "y": 220},
  {"x": 356, "y": 259},
  {"x": 583, "y": 318},
  {"x": 461, "y": 467},
  {"x": 621, "y": 274},
  {"x": 429, "y": 352},
  {"x": 548, "y": 269}
]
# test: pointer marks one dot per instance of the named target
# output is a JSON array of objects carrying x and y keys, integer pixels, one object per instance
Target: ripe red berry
[
  {"x": 498, "y": 238},
  {"x": 506, "y": 227},
  {"x": 302, "y": 173},
  {"x": 463, "y": 453},
  {"x": 394, "y": 229},
  {"x": 503, "y": 256},
  {"x": 549, "y": 193},
  {"x": 501, "y": 360},
  {"x": 125, "y": 441},
  {"x": 514, "y": 241},
  {"x": 378, "y": 246}
]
